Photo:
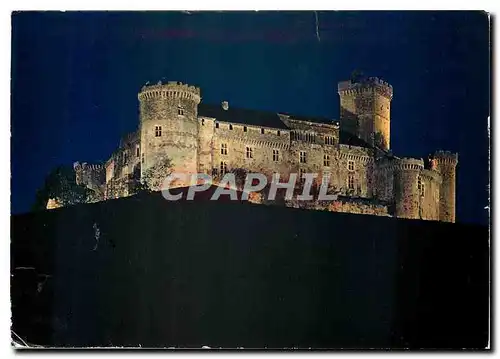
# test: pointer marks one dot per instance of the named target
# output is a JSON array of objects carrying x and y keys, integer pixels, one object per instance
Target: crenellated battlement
[
  {"x": 406, "y": 163},
  {"x": 446, "y": 157},
  {"x": 365, "y": 86},
  {"x": 87, "y": 166},
  {"x": 171, "y": 89}
]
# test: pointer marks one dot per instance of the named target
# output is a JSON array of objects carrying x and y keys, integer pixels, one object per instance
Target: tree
[
  {"x": 152, "y": 179},
  {"x": 60, "y": 185}
]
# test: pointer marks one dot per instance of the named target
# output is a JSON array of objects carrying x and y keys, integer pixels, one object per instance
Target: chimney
[{"x": 225, "y": 105}]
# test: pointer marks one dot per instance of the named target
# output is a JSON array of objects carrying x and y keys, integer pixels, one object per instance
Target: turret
[
  {"x": 365, "y": 110},
  {"x": 446, "y": 163},
  {"x": 169, "y": 125},
  {"x": 406, "y": 192}
]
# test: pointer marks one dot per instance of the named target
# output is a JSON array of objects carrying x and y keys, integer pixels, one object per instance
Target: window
[
  {"x": 142, "y": 160},
  {"x": 216, "y": 125},
  {"x": 180, "y": 110},
  {"x": 262, "y": 131},
  {"x": 350, "y": 181},
  {"x": 124, "y": 157},
  {"x": 303, "y": 158},
  {"x": 276, "y": 155},
  {"x": 249, "y": 152},
  {"x": 223, "y": 168},
  {"x": 421, "y": 186},
  {"x": 230, "y": 126},
  {"x": 157, "y": 131},
  {"x": 278, "y": 133},
  {"x": 223, "y": 149},
  {"x": 137, "y": 151},
  {"x": 329, "y": 140},
  {"x": 203, "y": 122},
  {"x": 244, "y": 128},
  {"x": 301, "y": 173},
  {"x": 350, "y": 165},
  {"x": 326, "y": 160}
]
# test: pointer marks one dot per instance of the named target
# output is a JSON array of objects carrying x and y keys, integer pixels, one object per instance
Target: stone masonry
[{"x": 354, "y": 153}]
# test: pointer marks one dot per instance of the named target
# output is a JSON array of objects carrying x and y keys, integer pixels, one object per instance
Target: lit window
[
  {"x": 249, "y": 152},
  {"x": 350, "y": 165},
  {"x": 223, "y": 149},
  {"x": 303, "y": 158},
  {"x": 223, "y": 167},
  {"x": 350, "y": 181},
  {"x": 326, "y": 160},
  {"x": 276, "y": 155},
  {"x": 158, "y": 131}
]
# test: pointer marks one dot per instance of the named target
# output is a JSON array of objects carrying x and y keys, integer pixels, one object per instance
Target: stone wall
[
  {"x": 169, "y": 125},
  {"x": 202, "y": 144},
  {"x": 358, "y": 207},
  {"x": 365, "y": 109}
]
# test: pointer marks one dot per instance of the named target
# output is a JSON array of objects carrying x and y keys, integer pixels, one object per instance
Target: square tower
[{"x": 365, "y": 110}]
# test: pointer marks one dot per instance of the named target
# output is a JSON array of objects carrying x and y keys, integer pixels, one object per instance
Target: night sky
[{"x": 75, "y": 78}]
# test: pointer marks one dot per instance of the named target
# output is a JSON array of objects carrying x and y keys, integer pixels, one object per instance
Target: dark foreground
[{"x": 142, "y": 271}]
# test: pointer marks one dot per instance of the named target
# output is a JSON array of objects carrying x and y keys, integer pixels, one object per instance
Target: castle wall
[
  {"x": 362, "y": 171},
  {"x": 261, "y": 145},
  {"x": 358, "y": 208},
  {"x": 429, "y": 198},
  {"x": 383, "y": 174},
  {"x": 91, "y": 176}
]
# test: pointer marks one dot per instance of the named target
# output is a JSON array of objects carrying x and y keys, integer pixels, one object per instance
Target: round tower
[
  {"x": 406, "y": 193},
  {"x": 169, "y": 126},
  {"x": 365, "y": 110},
  {"x": 446, "y": 163}
]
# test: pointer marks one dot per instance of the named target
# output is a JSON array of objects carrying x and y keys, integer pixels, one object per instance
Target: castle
[{"x": 354, "y": 152}]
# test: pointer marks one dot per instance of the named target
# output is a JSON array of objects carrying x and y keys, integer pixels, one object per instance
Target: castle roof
[
  {"x": 270, "y": 119},
  {"x": 243, "y": 116}
]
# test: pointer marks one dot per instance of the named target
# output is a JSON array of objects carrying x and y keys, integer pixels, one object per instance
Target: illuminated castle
[{"x": 354, "y": 152}]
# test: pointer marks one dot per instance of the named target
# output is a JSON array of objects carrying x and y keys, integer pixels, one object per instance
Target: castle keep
[{"x": 353, "y": 153}]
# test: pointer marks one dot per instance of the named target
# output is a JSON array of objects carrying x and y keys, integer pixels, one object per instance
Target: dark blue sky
[{"x": 75, "y": 78}]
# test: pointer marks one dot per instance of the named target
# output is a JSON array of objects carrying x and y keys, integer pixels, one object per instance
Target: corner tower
[
  {"x": 365, "y": 110},
  {"x": 406, "y": 191},
  {"x": 169, "y": 125},
  {"x": 446, "y": 163}
]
